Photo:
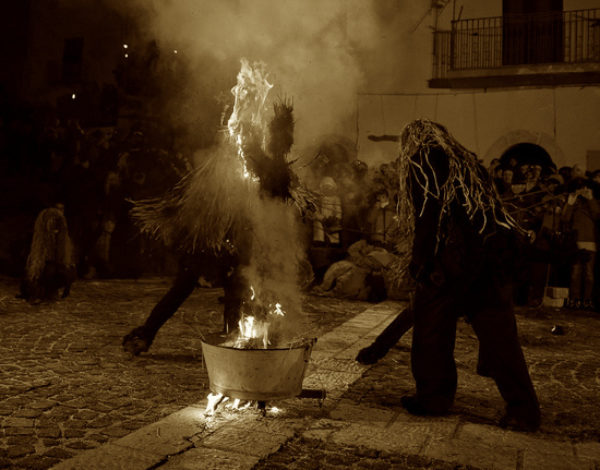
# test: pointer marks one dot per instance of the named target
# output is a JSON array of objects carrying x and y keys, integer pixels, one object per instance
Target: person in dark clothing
[
  {"x": 463, "y": 245},
  {"x": 218, "y": 268},
  {"x": 207, "y": 216}
]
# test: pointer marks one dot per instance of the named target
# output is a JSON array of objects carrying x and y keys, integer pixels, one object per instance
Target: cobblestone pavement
[
  {"x": 362, "y": 425},
  {"x": 565, "y": 370},
  {"x": 66, "y": 386},
  {"x": 66, "y": 390}
]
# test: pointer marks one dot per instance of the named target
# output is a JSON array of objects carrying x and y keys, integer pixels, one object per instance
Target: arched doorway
[{"x": 528, "y": 154}]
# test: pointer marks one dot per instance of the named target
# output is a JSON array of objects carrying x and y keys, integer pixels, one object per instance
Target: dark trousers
[
  {"x": 489, "y": 309},
  {"x": 221, "y": 269},
  {"x": 582, "y": 275}
]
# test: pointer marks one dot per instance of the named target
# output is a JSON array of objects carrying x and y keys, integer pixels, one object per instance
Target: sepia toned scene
[{"x": 300, "y": 234}]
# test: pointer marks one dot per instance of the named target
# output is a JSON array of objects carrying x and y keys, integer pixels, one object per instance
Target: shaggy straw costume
[
  {"x": 206, "y": 216},
  {"x": 463, "y": 242},
  {"x": 50, "y": 265}
]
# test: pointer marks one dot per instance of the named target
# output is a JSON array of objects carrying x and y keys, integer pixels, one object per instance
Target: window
[{"x": 532, "y": 31}]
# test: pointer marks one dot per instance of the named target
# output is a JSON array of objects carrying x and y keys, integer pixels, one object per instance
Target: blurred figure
[
  {"x": 328, "y": 219},
  {"x": 581, "y": 214},
  {"x": 50, "y": 264},
  {"x": 382, "y": 220},
  {"x": 354, "y": 204}
]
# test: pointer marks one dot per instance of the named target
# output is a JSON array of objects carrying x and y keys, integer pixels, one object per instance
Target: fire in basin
[
  {"x": 263, "y": 358},
  {"x": 258, "y": 363},
  {"x": 256, "y": 374}
]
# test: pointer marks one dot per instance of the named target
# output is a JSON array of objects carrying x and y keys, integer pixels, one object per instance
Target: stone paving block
[
  {"x": 214, "y": 459},
  {"x": 365, "y": 322},
  {"x": 338, "y": 365},
  {"x": 238, "y": 439},
  {"x": 167, "y": 436},
  {"x": 330, "y": 381},
  {"x": 110, "y": 457},
  {"x": 18, "y": 422},
  {"x": 534, "y": 459},
  {"x": 349, "y": 411},
  {"x": 463, "y": 449},
  {"x": 468, "y": 452},
  {"x": 538, "y": 443},
  {"x": 335, "y": 344},
  {"x": 379, "y": 438},
  {"x": 588, "y": 450},
  {"x": 323, "y": 428},
  {"x": 274, "y": 424}
]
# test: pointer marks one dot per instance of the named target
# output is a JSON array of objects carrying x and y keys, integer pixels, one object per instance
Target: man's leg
[
  {"x": 432, "y": 354},
  {"x": 496, "y": 328},
  {"x": 140, "y": 338}
]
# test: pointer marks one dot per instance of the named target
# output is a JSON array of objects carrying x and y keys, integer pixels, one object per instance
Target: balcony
[{"x": 548, "y": 49}]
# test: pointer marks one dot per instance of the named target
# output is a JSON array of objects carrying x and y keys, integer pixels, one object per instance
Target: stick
[{"x": 388, "y": 338}]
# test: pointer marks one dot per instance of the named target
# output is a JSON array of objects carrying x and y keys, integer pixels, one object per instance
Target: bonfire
[{"x": 245, "y": 194}]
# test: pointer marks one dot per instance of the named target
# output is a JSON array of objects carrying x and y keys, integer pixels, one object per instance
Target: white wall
[{"x": 564, "y": 121}]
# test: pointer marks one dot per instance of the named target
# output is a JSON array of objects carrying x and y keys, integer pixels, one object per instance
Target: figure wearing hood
[
  {"x": 463, "y": 241},
  {"x": 50, "y": 266}
]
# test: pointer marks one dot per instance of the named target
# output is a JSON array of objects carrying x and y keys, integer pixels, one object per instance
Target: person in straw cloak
[
  {"x": 464, "y": 244},
  {"x": 50, "y": 266},
  {"x": 206, "y": 218}
]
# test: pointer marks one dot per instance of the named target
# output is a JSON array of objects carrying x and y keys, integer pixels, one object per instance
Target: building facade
[{"x": 498, "y": 74}]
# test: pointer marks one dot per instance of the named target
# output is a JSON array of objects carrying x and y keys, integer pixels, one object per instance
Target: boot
[{"x": 137, "y": 341}]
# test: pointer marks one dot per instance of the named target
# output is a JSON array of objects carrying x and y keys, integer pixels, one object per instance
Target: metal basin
[{"x": 255, "y": 374}]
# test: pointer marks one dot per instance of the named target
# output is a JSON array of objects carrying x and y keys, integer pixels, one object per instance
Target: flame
[
  {"x": 213, "y": 401},
  {"x": 255, "y": 325},
  {"x": 251, "y": 329},
  {"x": 278, "y": 310},
  {"x": 250, "y": 94}
]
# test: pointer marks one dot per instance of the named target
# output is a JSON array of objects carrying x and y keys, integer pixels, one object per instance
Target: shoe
[
  {"x": 136, "y": 341},
  {"x": 520, "y": 421},
  {"x": 414, "y": 407},
  {"x": 370, "y": 354}
]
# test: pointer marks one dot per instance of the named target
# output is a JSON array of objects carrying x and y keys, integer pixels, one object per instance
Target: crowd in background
[
  {"x": 560, "y": 209},
  {"x": 47, "y": 160},
  {"x": 94, "y": 173}
]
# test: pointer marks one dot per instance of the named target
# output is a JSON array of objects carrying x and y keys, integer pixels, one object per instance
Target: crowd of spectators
[
  {"x": 560, "y": 210},
  {"x": 47, "y": 159}
]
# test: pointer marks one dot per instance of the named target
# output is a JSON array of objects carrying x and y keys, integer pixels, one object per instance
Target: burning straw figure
[
  {"x": 50, "y": 266},
  {"x": 220, "y": 217},
  {"x": 463, "y": 244}
]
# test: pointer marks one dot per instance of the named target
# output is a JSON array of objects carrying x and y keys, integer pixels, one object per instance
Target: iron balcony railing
[{"x": 570, "y": 37}]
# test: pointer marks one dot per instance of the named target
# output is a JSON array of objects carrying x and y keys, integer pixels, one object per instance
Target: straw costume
[
  {"x": 206, "y": 216},
  {"x": 50, "y": 265},
  {"x": 463, "y": 245}
]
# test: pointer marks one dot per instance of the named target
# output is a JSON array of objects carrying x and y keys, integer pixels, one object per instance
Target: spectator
[
  {"x": 327, "y": 224},
  {"x": 581, "y": 214},
  {"x": 382, "y": 220}
]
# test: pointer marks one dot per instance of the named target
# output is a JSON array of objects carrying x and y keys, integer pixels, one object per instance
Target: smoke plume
[{"x": 313, "y": 49}]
